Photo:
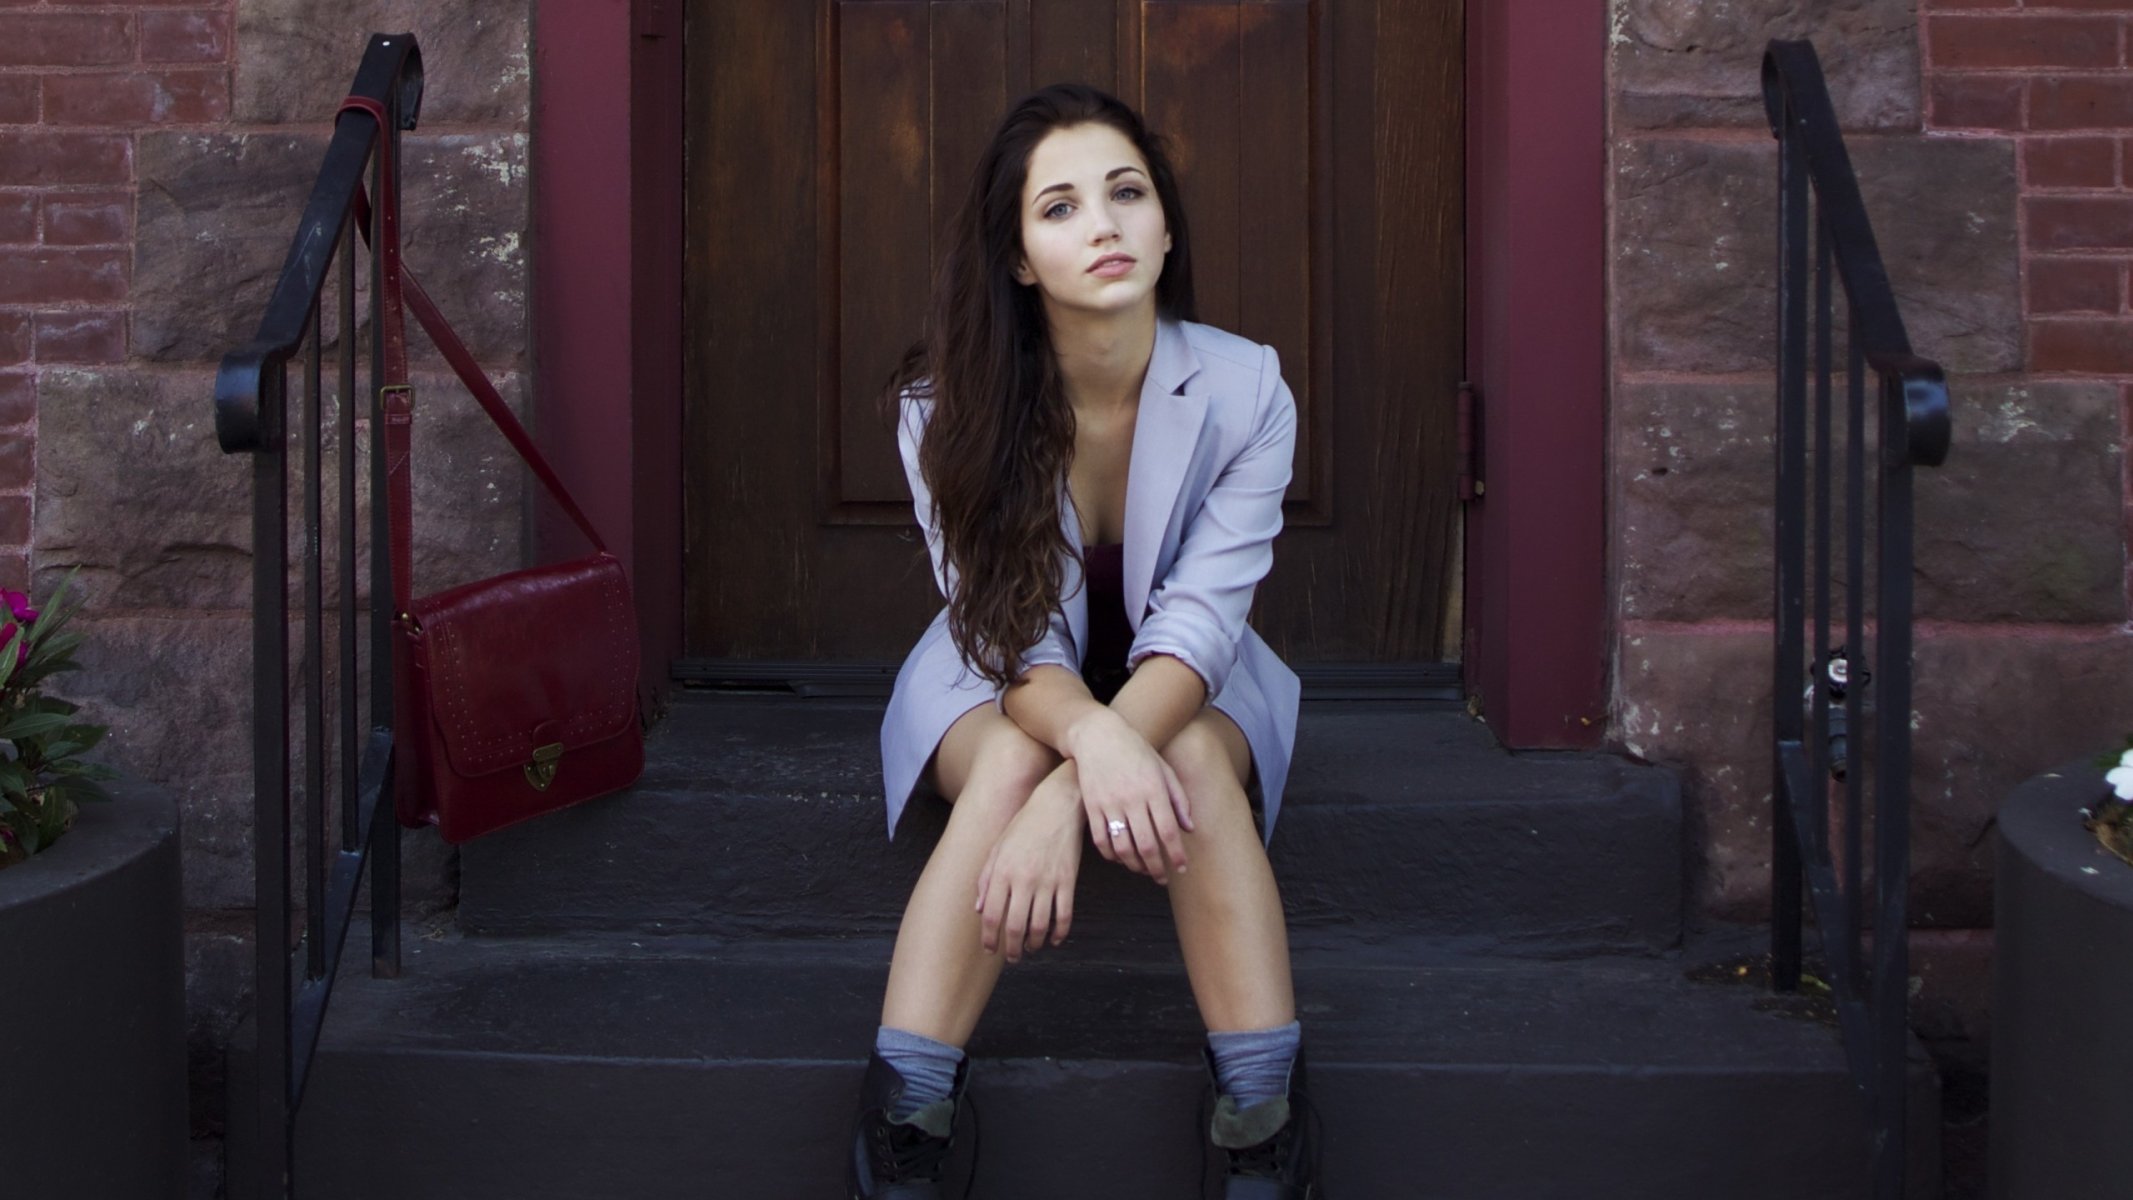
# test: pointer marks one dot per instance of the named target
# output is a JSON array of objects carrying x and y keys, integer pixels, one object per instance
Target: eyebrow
[{"x": 1068, "y": 187}]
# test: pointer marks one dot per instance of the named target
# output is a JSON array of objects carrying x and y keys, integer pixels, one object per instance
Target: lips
[{"x": 1112, "y": 264}]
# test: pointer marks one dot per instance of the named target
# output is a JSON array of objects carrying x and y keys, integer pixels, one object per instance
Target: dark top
[{"x": 1103, "y": 668}]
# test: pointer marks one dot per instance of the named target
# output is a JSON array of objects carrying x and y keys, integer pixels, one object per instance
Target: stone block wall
[
  {"x": 1994, "y": 144},
  {"x": 154, "y": 158}
]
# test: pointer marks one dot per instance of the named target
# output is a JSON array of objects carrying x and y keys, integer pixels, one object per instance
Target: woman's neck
[{"x": 1103, "y": 357}]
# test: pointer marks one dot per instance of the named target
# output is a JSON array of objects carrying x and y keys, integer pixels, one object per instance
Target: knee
[
  {"x": 1201, "y": 760},
  {"x": 1008, "y": 767}
]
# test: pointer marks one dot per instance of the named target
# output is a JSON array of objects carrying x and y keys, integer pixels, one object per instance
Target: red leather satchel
[{"x": 513, "y": 696}]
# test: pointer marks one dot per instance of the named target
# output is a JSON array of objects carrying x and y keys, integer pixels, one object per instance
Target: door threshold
[{"x": 1430, "y": 684}]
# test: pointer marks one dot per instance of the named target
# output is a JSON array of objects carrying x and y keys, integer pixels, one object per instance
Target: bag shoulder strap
[{"x": 397, "y": 285}]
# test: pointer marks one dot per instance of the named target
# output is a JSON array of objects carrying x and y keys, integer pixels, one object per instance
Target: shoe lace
[
  {"x": 912, "y": 1153},
  {"x": 1269, "y": 1159}
]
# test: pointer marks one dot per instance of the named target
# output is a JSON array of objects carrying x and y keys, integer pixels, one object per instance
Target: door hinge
[{"x": 1471, "y": 484}]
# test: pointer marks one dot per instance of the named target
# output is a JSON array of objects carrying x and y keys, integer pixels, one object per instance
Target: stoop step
[
  {"x": 763, "y": 816},
  {"x": 600, "y": 1066}
]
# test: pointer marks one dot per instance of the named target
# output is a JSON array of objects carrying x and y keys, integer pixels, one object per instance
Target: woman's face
[{"x": 1093, "y": 234}]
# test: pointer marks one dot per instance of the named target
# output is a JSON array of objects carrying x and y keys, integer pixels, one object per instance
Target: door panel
[{"x": 1318, "y": 144}]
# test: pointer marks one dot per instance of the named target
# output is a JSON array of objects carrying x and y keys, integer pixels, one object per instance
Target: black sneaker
[
  {"x": 900, "y": 1160},
  {"x": 1272, "y": 1145}
]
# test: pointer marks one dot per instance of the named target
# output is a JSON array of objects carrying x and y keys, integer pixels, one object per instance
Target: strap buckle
[{"x": 405, "y": 389}]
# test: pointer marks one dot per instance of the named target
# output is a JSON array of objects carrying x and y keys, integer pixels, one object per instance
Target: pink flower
[{"x": 18, "y": 605}]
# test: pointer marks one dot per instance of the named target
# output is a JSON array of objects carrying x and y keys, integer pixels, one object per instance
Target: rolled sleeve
[{"x": 1197, "y": 614}]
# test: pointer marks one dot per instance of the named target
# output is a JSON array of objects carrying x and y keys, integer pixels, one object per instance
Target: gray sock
[
  {"x": 928, "y": 1068},
  {"x": 1253, "y": 1065}
]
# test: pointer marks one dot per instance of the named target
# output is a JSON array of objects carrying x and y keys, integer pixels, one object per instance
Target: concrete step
[
  {"x": 604, "y": 1066},
  {"x": 763, "y": 816}
]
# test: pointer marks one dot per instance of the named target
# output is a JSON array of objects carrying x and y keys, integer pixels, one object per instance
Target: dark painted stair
[{"x": 669, "y": 993}]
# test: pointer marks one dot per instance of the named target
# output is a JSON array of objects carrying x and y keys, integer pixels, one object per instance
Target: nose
[{"x": 1105, "y": 226}]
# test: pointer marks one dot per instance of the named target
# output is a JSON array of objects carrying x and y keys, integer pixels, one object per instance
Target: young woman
[{"x": 1100, "y": 482}]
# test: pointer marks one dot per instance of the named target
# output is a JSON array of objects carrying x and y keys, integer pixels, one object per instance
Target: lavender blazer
[{"x": 1213, "y": 448}]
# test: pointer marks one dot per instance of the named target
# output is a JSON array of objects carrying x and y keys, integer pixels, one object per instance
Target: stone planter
[
  {"x": 92, "y": 1007},
  {"x": 2062, "y": 1048}
]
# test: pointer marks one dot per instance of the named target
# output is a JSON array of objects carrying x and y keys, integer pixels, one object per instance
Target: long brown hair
[{"x": 996, "y": 450}]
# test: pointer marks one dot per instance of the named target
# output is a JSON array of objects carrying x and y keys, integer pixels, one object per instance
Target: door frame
[{"x": 607, "y": 324}]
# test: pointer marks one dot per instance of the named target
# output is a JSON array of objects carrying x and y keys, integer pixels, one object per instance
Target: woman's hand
[
  {"x": 1124, "y": 780},
  {"x": 1026, "y": 890}
]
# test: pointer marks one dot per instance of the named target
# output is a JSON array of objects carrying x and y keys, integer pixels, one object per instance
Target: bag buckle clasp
[{"x": 540, "y": 772}]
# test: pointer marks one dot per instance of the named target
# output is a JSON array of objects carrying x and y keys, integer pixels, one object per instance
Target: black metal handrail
[
  {"x": 1814, "y": 749},
  {"x": 293, "y": 983}
]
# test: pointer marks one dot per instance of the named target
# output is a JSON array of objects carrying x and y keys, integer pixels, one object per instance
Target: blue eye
[
  {"x": 1132, "y": 191},
  {"x": 1054, "y": 209}
]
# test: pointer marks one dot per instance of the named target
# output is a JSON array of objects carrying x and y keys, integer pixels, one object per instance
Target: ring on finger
[{"x": 1117, "y": 827}]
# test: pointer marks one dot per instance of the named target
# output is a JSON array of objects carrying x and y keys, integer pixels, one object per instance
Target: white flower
[
  {"x": 2126, "y": 759},
  {"x": 2121, "y": 781}
]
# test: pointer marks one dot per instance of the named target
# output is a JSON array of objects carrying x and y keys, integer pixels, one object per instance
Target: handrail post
[
  {"x": 293, "y": 984},
  {"x": 1819, "y": 191},
  {"x": 1790, "y": 557}
]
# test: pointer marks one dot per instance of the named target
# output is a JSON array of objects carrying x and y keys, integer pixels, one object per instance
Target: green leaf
[
  {"x": 13, "y": 779},
  {"x": 88, "y": 735},
  {"x": 7, "y": 655},
  {"x": 51, "y": 650},
  {"x": 32, "y": 724},
  {"x": 56, "y": 751},
  {"x": 84, "y": 787}
]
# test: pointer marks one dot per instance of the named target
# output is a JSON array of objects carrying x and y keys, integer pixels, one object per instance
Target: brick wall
[
  {"x": 1994, "y": 145},
  {"x": 78, "y": 81},
  {"x": 154, "y": 158},
  {"x": 2052, "y": 78}
]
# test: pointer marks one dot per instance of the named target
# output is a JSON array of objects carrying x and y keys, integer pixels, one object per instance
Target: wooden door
[{"x": 1318, "y": 145}]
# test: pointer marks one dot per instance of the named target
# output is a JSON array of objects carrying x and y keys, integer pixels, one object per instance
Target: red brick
[
  {"x": 18, "y": 99},
  {"x": 73, "y": 219},
  {"x": 2023, "y": 40},
  {"x": 2081, "y": 102},
  {"x": 1975, "y": 102},
  {"x": 76, "y": 336},
  {"x": 185, "y": 37},
  {"x": 18, "y": 398},
  {"x": 2008, "y": 5},
  {"x": 14, "y": 520},
  {"x": 2063, "y": 285},
  {"x": 39, "y": 156},
  {"x": 18, "y": 217},
  {"x": 62, "y": 276},
  {"x": 15, "y": 571},
  {"x": 14, "y": 338},
  {"x": 2082, "y": 347},
  {"x": 137, "y": 98},
  {"x": 17, "y": 462},
  {"x": 52, "y": 39},
  {"x": 2079, "y": 222},
  {"x": 2070, "y": 162}
]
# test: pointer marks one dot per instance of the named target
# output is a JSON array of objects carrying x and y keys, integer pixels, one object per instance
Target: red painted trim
[
  {"x": 607, "y": 200},
  {"x": 659, "y": 101},
  {"x": 1536, "y": 648}
]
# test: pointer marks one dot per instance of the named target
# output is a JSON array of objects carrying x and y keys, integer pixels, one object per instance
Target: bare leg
[
  {"x": 1227, "y": 908},
  {"x": 940, "y": 976}
]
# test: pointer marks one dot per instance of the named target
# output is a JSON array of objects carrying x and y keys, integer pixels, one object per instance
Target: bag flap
[{"x": 536, "y": 657}]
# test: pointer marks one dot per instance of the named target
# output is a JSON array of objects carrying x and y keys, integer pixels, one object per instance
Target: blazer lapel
[{"x": 1165, "y": 431}]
